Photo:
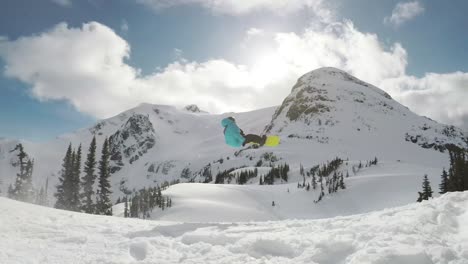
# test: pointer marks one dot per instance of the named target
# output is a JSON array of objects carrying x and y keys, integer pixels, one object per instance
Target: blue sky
[{"x": 108, "y": 56}]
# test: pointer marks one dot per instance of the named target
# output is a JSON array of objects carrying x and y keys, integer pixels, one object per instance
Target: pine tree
[
  {"x": 168, "y": 202},
  {"x": 74, "y": 190},
  {"x": 301, "y": 172},
  {"x": 87, "y": 182},
  {"x": 134, "y": 207},
  {"x": 342, "y": 184},
  {"x": 420, "y": 197},
  {"x": 207, "y": 174},
  {"x": 28, "y": 193},
  {"x": 335, "y": 182},
  {"x": 458, "y": 171},
  {"x": 104, "y": 205},
  {"x": 444, "y": 184},
  {"x": 20, "y": 177},
  {"x": 284, "y": 172},
  {"x": 46, "y": 193},
  {"x": 314, "y": 182},
  {"x": 322, "y": 193},
  {"x": 427, "y": 190},
  {"x": 163, "y": 203},
  {"x": 126, "y": 208},
  {"x": 23, "y": 188},
  {"x": 64, "y": 181}
]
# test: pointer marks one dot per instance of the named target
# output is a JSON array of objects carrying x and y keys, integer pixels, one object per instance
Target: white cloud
[
  {"x": 404, "y": 12},
  {"x": 441, "y": 97},
  {"x": 254, "y": 32},
  {"x": 86, "y": 66},
  {"x": 66, "y": 3},
  {"x": 124, "y": 26},
  {"x": 237, "y": 7},
  {"x": 341, "y": 45}
]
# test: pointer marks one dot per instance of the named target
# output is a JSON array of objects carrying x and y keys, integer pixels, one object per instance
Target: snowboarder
[{"x": 235, "y": 137}]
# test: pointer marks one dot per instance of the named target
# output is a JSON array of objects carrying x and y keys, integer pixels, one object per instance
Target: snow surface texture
[{"x": 430, "y": 232}]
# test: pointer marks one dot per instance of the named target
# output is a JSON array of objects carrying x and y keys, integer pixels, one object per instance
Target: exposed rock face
[
  {"x": 436, "y": 137},
  {"x": 320, "y": 96},
  {"x": 131, "y": 141},
  {"x": 193, "y": 108}
]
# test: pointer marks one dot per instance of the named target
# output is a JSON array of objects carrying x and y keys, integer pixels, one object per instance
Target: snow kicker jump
[{"x": 235, "y": 137}]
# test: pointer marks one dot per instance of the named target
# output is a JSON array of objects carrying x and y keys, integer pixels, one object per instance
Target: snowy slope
[
  {"x": 328, "y": 114},
  {"x": 384, "y": 186},
  {"x": 431, "y": 232}
]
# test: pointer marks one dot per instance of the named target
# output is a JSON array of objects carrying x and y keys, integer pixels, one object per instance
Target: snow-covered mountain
[
  {"x": 329, "y": 105},
  {"x": 329, "y": 113}
]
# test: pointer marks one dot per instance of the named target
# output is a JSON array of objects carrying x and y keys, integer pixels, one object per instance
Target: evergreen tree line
[
  {"x": 142, "y": 203},
  {"x": 244, "y": 176},
  {"x": 332, "y": 184},
  {"x": 208, "y": 176},
  {"x": 276, "y": 172},
  {"x": 455, "y": 180},
  {"x": 23, "y": 189},
  {"x": 204, "y": 174},
  {"x": 326, "y": 169},
  {"x": 76, "y": 191},
  {"x": 223, "y": 176},
  {"x": 323, "y": 176},
  {"x": 369, "y": 163}
]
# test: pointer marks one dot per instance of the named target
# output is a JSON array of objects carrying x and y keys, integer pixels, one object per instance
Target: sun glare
[{"x": 268, "y": 68}]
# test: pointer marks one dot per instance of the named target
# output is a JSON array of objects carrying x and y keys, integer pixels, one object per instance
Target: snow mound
[{"x": 433, "y": 231}]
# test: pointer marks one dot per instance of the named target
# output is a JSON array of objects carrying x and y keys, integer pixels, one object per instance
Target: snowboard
[{"x": 272, "y": 141}]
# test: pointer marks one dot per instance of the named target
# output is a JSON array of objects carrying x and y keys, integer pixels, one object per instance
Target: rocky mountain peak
[
  {"x": 137, "y": 125},
  {"x": 132, "y": 140},
  {"x": 193, "y": 108},
  {"x": 336, "y": 79},
  {"x": 326, "y": 90},
  {"x": 327, "y": 101}
]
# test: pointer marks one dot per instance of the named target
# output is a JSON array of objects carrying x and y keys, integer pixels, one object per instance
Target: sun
[{"x": 268, "y": 68}]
